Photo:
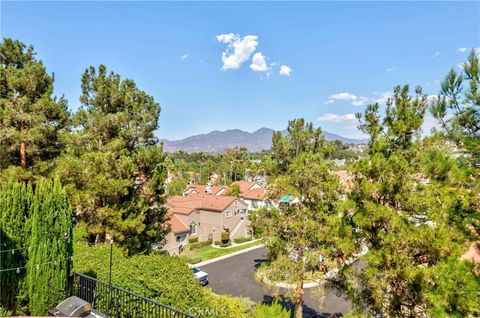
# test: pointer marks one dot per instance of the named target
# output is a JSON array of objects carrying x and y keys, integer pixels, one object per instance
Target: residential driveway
[{"x": 235, "y": 276}]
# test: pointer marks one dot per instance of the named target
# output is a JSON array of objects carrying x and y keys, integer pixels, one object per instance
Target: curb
[{"x": 213, "y": 260}]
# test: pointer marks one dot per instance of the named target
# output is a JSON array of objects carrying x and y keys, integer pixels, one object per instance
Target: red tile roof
[
  {"x": 177, "y": 225},
  {"x": 187, "y": 204},
  {"x": 245, "y": 185},
  {"x": 254, "y": 194},
  {"x": 201, "y": 189}
]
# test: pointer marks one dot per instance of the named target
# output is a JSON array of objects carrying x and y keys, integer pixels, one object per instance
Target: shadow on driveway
[{"x": 235, "y": 276}]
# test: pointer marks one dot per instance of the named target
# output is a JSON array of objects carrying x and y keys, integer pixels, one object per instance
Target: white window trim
[
  {"x": 227, "y": 214},
  {"x": 180, "y": 236},
  {"x": 195, "y": 227},
  {"x": 235, "y": 203}
]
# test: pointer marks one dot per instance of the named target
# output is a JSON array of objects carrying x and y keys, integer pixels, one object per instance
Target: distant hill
[{"x": 217, "y": 141}]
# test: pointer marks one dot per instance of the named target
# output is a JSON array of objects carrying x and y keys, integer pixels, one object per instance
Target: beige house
[
  {"x": 204, "y": 216},
  {"x": 253, "y": 194}
]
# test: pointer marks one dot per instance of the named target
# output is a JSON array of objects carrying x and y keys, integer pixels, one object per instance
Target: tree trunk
[
  {"x": 298, "y": 296},
  {"x": 23, "y": 155},
  {"x": 23, "y": 147}
]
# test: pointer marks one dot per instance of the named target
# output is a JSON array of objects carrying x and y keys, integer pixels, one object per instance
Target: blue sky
[{"x": 337, "y": 57}]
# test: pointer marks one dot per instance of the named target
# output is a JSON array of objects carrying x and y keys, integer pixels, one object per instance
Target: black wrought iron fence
[{"x": 113, "y": 301}]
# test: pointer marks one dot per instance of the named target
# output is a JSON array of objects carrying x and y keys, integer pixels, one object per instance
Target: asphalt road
[{"x": 235, "y": 276}]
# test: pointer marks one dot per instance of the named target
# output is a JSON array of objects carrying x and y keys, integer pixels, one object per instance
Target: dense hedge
[
  {"x": 242, "y": 239},
  {"x": 200, "y": 244},
  {"x": 36, "y": 244},
  {"x": 165, "y": 279}
]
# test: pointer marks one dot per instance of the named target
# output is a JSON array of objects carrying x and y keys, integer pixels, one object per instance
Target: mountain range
[{"x": 217, "y": 141}]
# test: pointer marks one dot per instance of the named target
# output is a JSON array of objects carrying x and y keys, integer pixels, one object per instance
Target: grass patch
[{"x": 208, "y": 252}]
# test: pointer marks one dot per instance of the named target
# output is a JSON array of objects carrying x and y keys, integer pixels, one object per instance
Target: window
[
  {"x": 193, "y": 228},
  {"x": 255, "y": 204},
  {"x": 236, "y": 203},
  {"x": 228, "y": 214},
  {"x": 180, "y": 238}
]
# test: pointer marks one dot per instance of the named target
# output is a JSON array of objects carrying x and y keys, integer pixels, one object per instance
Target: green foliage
[
  {"x": 113, "y": 170},
  {"x": 273, "y": 310},
  {"x": 200, "y": 244},
  {"x": 50, "y": 247},
  {"x": 460, "y": 95},
  {"x": 225, "y": 237},
  {"x": 15, "y": 200},
  {"x": 193, "y": 240},
  {"x": 30, "y": 118},
  {"x": 242, "y": 239},
  {"x": 165, "y": 279},
  {"x": 234, "y": 190},
  {"x": 456, "y": 290},
  {"x": 407, "y": 226},
  {"x": 301, "y": 237},
  {"x": 5, "y": 312},
  {"x": 301, "y": 138}
]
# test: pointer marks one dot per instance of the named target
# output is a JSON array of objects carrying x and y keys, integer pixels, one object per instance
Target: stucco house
[
  {"x": 253, "y": 194},
  {"x": 204, "y": 216}
]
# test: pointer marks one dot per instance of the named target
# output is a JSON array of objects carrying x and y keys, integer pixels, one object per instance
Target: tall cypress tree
[
  {"x": 14, "y": 214},
  {"x": 50, "y": 251}
]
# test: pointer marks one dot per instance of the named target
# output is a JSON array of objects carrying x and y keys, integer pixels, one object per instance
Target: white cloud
[
  {"x": 238, "y": 49},
  {"x": 435, "y": 55},
  {"x": 226, "y": 38},
  {"x": 258, "y": 63},
  {"x": 467, "y": 50},
  {"x": 356, "y": 100},
  {"x": 285, "y": 70},
  {"x": 391, "y": 69},
  {"x": 383, "y": 97},
  {"x": 184, "y": 56},
  {"x": 337, "y": 117}
]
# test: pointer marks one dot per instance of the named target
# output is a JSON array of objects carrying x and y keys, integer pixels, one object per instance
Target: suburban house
[
  {"x": 204, "y": 216},
  {"x": 253, "y": 194}
]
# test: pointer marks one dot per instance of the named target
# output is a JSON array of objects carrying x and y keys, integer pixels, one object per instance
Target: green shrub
[
  {"x": 274, "y": 310},
  {"x": 242, "y": 239},
  {"x": 224, "y": 244},
  {"x": 225, "y": 237},
  {"x": 193, "y": 240},
  {"x": 166, "y": 279},
  {"x": 5, "y": 312},
  {"x": 200, "y": 244}
]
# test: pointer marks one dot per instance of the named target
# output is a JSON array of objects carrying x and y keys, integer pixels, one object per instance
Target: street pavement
[{"x": 235, "y": 276}]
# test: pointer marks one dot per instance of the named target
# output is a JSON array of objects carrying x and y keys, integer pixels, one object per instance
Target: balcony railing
[{"x": 112, "y": 301}]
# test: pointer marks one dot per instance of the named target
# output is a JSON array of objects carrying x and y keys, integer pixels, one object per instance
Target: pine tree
[
  {"x": 409, "y": 228},
  {"x": 50, "y": 247},
  {"x": 30, "y": 118},
  {"x": 302, "y": 238},
  {"x": 112, "y": 166}
]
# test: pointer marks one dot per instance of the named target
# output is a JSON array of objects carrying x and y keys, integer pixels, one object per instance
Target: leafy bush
[
  {"x": 242, "y": 239},
  {"x": 274, "y": 310},
  {"x": 225, "y": 237},
  {"x": 193, "y": 240},
  {"x": 5, "y": 312},
  {"x": 200, "y": 244},
  {"x": 166, "y": 279}
]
